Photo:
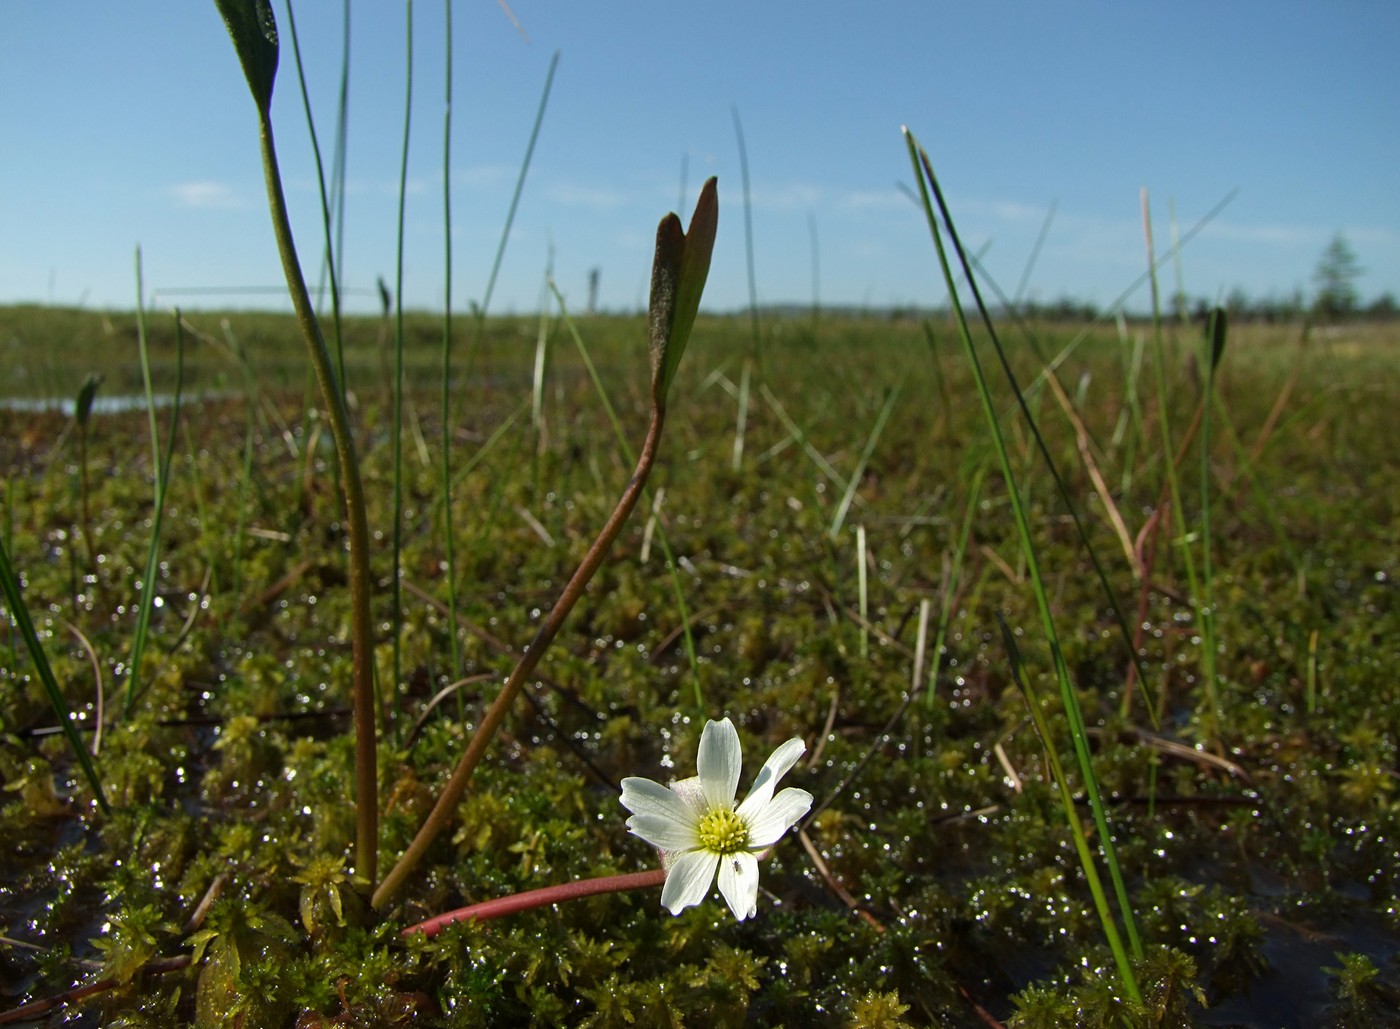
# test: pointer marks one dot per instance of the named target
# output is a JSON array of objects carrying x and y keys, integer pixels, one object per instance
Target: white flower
[{"x": 697, "y": 828}]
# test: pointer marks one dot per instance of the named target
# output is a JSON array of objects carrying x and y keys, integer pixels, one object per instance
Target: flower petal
[
  {"x": 776, "y": 817},
  {"x": 690, "y": 791},
  {"x": 718, "y": 763},
  {"x": 659, "y": 815},
  {"x": 773, "y": 769},
  {"x": 688, "y": 880},
  {"x": 738, "y": 881}
]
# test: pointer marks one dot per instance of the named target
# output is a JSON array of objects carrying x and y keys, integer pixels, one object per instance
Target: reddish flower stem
[{"x": 539, "y": 898}]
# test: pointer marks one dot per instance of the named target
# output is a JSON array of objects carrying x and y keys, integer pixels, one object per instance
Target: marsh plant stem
[
  {"x": 677, "y": 590},
  {"x": 361, "y": 626},
  {"x": 161, "y": 471},
  {"x": 332, "y": 261},
  {"x": 542, "y": 897},
  {"x": 447, "y": 801},
  {"x": 1211, "y": 716},
  {"x": 449, "y": 541},
  {"x": 396, "y": 579},
  {"x": 928, "y": 184}
]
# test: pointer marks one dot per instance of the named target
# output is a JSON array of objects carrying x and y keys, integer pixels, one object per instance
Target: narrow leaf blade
[
  {"x": 699, "y": 245},
  {"x": 661, "y": 315},
  {"x": 253, "y": 28},
  {"x": 1219, "y": 323}
]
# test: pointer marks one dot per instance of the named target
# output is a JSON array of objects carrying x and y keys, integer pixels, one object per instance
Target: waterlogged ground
[{"x": 937, "y": 883}]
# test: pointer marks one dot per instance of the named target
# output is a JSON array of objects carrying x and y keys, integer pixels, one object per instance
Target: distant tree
[
  {"x": 1181, "y": 305},
  {"x": 1238, "y": 304},
  {"x": 1382, "y": 308},
  {"x": 1336, "y": 275},
  {"x": 594, "y": 274},
  {"x": 1280, "y": 307}
]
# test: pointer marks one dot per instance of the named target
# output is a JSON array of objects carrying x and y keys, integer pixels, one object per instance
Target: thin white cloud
[
  {"x": 381, "y": 187},
  {"x": 1282, "y": 235},
  {"x": 206, "y": 194},
  {"x": 480, "y": 175},
  {"x": 876, "y": 199},
  {"x": 574, "y": 194},
  {"x": 788, "y": 196}
]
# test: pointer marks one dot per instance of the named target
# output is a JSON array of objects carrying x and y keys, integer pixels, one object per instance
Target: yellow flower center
[{"x": 722, "y": 831}]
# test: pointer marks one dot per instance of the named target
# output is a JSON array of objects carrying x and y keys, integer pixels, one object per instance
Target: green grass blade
[
  {"x": 1215, "y": 342},
  {"x": 928, "y": 182},
  {"x": 800, "y": 435},
  {"x": 326, "y": 222},
  {"x": 974, "y": 496},
  {"x": 741, "y": 420},
  {"x": 161, "y": 468},
  {"x": 19, "y": 613},
  {"x": 396, "y": 558},
  {"x": 515, "y": 196},
  {"x": 445, "y": 400},
  {"x": 1076, "y": 828},
  {"x": 254, "y": 33},
  {"x": 748, "y": 236},
  {"x": 862, "y": 592},
  {"x": 1049, "y": 375},
  {"x": 853, "y": 483},
  {"x": 1211, "y": 724}
]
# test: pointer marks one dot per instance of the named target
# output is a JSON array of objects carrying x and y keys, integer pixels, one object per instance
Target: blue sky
[{"x": 125, "y": 124}]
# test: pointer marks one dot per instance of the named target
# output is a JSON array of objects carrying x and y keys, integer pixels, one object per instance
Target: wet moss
[{"x": 941, "y": 883}]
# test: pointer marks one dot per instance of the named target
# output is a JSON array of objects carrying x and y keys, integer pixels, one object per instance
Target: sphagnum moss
[{"x": 961, "y": 870}]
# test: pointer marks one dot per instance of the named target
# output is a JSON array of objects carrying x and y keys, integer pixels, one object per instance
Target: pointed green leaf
[
  {"x": 253, "y": 29},
  {"x": 82, "y": 408},
  {"x": 661, "y": 314},
  {"x": 19, "y": 615},
  {"x": 678, "y": 279},
  {"x": 1217, "y": 328}
]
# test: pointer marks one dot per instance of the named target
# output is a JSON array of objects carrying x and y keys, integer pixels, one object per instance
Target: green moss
[{"x": 946, "y": 879}]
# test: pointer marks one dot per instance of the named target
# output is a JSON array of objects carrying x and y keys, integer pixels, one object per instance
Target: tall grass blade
[
  {"x": 515, "y": 196},
  {"x": 19, "y": 614},
  {"x": 748, "y": 234},
  {"x": 1312, "y": 673},
  {"x": 928, "y": 184},
  {"x": 954, "y": 577},
  {"x": 741, "y": 423},
  {"x": 1076, "y": 828},
  {"x": 1211, "y": 724},
  {"x": 1215, "y": 342},
  {"x": 326, "y": 222},
  {"x": 396, "y": 559},
  {"x": 800, "y": 435},
  {"x": 1034, "y": 256},
  {"x": 1049, "y": 375},
  {"x": 862, "y": 592},
  {"x": 448, "y": 531},
  {"x": 853, "y": 483},
  {"x": 254, "y": 33},
  {"x": 245, "y": 479},
  {"x": 82, "y": 411},
  {"x": 9, "y": 541},
  {"x": 161, "y": 470}
]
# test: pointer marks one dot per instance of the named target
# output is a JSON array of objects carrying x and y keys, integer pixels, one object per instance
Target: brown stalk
[{"x": 451, "y": 795}]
